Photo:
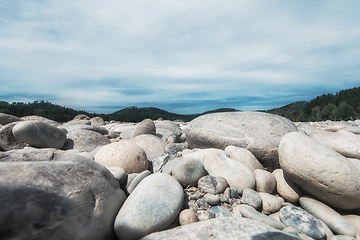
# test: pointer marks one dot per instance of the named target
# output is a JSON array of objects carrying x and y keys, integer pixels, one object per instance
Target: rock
[
  {"x": 178, "y": 147},
  {"x": 286, "y": 188},
  {"x": 214, "y": 185},
  {"x": 201, "y": 204},
  {"x": 250, "y": 212},
  {"x": 173, "y": 138},
  {"x": 216, "y": 163},
  {"x": 354, "y": 220},
  {"x": 52, "y": 194},
  {"x": 7, "y": 139},
  {"x": 187, "y": 216},
  {"x": 342, "y": 237},
  {"x": 152, "y": 145},
  {"x": 330, "y": 217},
  {"x": 236, "y": 228},
  {"x": 7, "y": 118},
  {"x": 251, "y": 198},
  {"x": 218, "y": 212},
  {"x": 41, "y": 119},
  {"x": 264, "y": 181},
  {"x": 167, "y": 124},
  {"x": 137, "y": 180},
  {"x": 146, "y": 126},
  {"x": 73, "y": 127},
  {"x": 346, "y": 145},
  {"x": 186, "y": 171},
  {"x": 165, "y": 134},
  {"x": 353, "y": 129},
  {"x": 124, "y": 154},
  {"x": 319, "y": 170},
  {"x": 224, "y": 198},
  {"x": 118, "y": 173},
  {"x": 243, "y": 156},
  {"x": 302, "y": 221},
  {"x": 81, "y": 117},
  {"x": 39, "y": 134},
  {"x": 97, "y": 122},
  {"x": 85, "y": 140},
  {"x": 258, "y": 132},
  {"x": 270, "y": 203},
  {"x": 157, "y": 164},
  {"x": 231, "y": 193},
  {"x": 153, "y": 205},
  {"x": 211, "y": 199}
]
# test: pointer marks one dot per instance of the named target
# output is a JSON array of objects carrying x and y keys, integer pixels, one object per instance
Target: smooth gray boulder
[
  {"x": 302, "y": 221},
  {"x": 321, "y": 171},
  {"x": 123, "y": 154},
  {"x": 236, "y": 228},
  {"x": 52, "y": 194},
  {"x": 329, "y": 216},
  {"x": 216, "y": 163},
  {"x": 7, "y": 118},
  {"x": 7, "y": 139},
  {"x": 146, "y": 126},
  {"x": 39, "y": 134},
  {"x": 152, "y": 206},
  {"x": 187, "y": 171},
  {"x": 152, "y": 145},
  {"x": 85, "y": 140},
  {"x": 258, "y": 132}
]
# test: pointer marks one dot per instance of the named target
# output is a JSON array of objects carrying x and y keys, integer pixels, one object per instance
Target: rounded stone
[
  {"x": 214, "y": 185},
  {"x": 265, "y": 181},
  {"x": 201, "y": 204},
  {"x": 97, "y": 122},
  {"x": 85, "y": 140},
  {"x": 81, "y": 117},
  {"x": 321, "y": 171},
  {"x": 271, "y": 203},
  {"x": 329, "y": 216},
  {"x": 146, "y": 126},
  {"x": 153, "y": 206},
  {"x": 7, "y": 118},
  {"x": 218, "y": 212},
  {"x": 302, "y": 221},
  {"x": 251, "y": 198},
  {"x": 243, "y": 156},
  {"x": 7, "y": 139},
  {"x": 258, "y": 132},
  {"x": 35, "y": 118},
  {"x": 137, "y": 180},
  {"x": 39, "y": 134},
  {"x": 123, "y": 154},
  {"x": 118, "y": 173},
  {"x": 286, "y": 188},
  {"x": 152, "y": 145},
  {"x": 187, "y": 216},
  {"x": 211, "y": 199}
]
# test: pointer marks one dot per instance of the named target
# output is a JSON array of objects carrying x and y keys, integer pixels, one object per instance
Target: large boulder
[
  {"x": 152, "y": 145},
  {"x": 7, "y": 118},
  {"x": 51, "y": 194},
  {"x": 85, "y": 140},
  {"x": 39, "y": 134},
  {"x": 258, "y": 132},
  {"x": 7, "y": 139},
  {"x": 146, "y": 126},
  {"x": 152, "y": 206},
  {"x": 222, "y": 228},
  {"x": 321, "y": 171}
]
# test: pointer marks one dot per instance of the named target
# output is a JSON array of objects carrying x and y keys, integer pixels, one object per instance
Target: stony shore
[{"x": 235, "y": 175}]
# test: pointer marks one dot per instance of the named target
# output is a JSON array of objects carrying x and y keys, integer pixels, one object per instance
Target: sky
[{"x": 185, "y": 56}]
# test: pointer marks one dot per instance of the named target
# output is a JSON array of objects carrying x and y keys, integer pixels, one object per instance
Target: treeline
[
  {"x": 40, "y": 108},
  {"x": 344, "y": 105}
]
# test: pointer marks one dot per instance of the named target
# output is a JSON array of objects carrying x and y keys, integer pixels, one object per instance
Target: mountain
[{"x": 288, "y": 109}]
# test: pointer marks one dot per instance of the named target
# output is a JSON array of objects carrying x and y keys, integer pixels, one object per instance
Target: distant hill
[{"x": 344, "y": 105}]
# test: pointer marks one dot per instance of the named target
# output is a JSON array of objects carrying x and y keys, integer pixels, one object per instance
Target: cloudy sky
[{"x": 185, "y": 56}]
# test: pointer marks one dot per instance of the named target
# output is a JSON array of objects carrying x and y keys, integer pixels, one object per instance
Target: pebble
[
  {"x": 286, "y": 188},
  {"x": 251, "y": 198},
  {"x": 270, "y": 203},
  {"x": 214, "y": 185},
  {"x": 146, "y": 126},
  {"x": 265, "y": 181},
  {"x": 218, "y": 212},
  {"x": 211, "y": 199},
  {"x": 187, "y": 216}
]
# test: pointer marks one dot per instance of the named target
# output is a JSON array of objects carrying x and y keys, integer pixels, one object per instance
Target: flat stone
[
  {"x": 39, "y": 134},
  {"x": 152, "y": 145},
  {"x": 243, "y": 156},
  {"x": 153, "y": 206},
  {"x": 214, "y": 185},
  {"x": 7, "y": 139},
  {"x": 302, "y": 221},
  {"x": 146, "y": 126},
  {"x": 320, "y": 170},
  {"x": 258, "y": 132},
  {"x": 286, "y": 188},
  {"x": 236, "y": 228},
  {"x": 329, "y": 216},
  {"x": 250, "y": 212},
  {"x": 85, "y": 140},
  {"x": 216, "y": 163},
  {"x": 52, "y": 194},
  {"x": 265, "y": 181},
  {"x": 124, "y": 154}
]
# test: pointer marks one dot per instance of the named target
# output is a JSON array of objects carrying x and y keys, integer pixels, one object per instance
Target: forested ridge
[{"x": 344, "y": 105}]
